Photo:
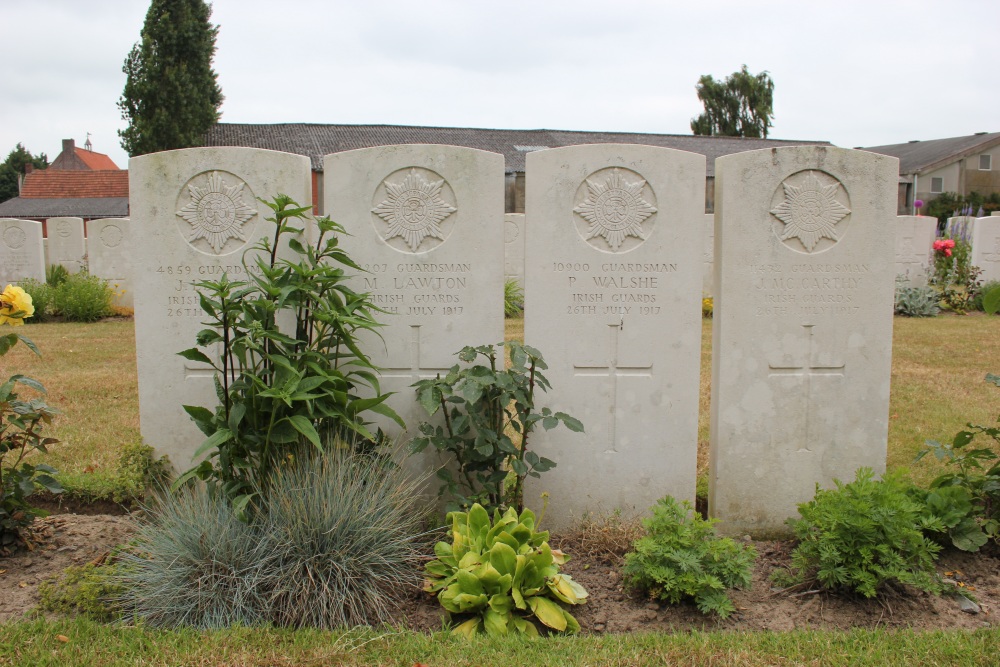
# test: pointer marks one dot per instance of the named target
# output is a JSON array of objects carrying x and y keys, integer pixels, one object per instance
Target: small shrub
[
  {"x": 989, "y": 286},
  {"x": 862, "y": 536},
  {"x": 503, "y": 574},
  {"x": 42, "y": 295},
  {"x": 83, "y": 298},
  {"x": 483, "y": 407},
  {"x": 513, "y": 298},
  {"x": 21, "y": 424},
  {"x": 915, "y": 301},
  {"x": 56, "y": 275},
  {"x": 681, "y": 558},
  {"x": 707, "y": 307},
  {"x": 975, "y": 471},
  {"x": 90, "y": 590}
]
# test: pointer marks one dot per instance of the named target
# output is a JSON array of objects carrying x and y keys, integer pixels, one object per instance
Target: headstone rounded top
[
  {"x": 412, "y": 210},
  {"x": 810, "y": 211},
  {"x": 215, "y": 213},
  {"x": 615, "y": 209},
  {"x": 14, "y": 237}
]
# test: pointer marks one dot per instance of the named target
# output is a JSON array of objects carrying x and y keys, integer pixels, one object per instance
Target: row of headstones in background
[
  {"x": 613, "y": 278},
  {"x": 984, "y": 235},
  {"x": 25, "y": 254}
]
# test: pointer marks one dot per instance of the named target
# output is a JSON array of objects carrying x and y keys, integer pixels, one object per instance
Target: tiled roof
[
  {"x": 62, "y": 184},
  {"x": 92, "y": 207},
  {"x": 96, "y": 161},
  {"x": 315, "y": 141},
  {"x": 919, "y": 156}
]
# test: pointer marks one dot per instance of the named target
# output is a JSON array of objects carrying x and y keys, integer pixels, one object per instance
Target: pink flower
[{"x": 947, "y": 252}]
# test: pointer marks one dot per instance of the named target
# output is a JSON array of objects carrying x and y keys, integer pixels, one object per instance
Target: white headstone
[
  {"x": 613, "y": 279},
  {"x": 708, "y": 256},
  {"x": 513, "y": 244},
  {"x": 66, "y": 245},
  {"x": 802, "y": 333},
  {"x": 914, "y": 246},
  {"x": 426, "y": 223},
  {"x": 194, "y": 213},
  {"x": 961, "y": 227},
  {"x": 986, "y": 248},
  {"x": 109, "y": 247},
  {"x": 21, "y": 252}
]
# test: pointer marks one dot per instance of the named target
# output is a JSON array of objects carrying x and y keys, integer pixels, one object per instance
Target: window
[
  {"x": 937, "y": 184},
  {"x": 985, "y": 162}
]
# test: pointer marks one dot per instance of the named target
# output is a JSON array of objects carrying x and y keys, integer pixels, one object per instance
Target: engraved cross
[
  {"x": 613, "y": 370},
  {"x": 414, "y": 371},
  {"x": 808, "y": 370}
]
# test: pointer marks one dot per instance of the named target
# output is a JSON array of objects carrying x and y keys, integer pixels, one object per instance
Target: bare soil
[{"x": 73, "y": 539}]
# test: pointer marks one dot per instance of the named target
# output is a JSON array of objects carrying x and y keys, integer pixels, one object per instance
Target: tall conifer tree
[{"x": 171, "y": 94}]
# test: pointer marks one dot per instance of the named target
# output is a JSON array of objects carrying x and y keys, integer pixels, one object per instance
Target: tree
[
  {"x": 13, "y": 167},
  {"x": 171, "y": 94},
  {"x": 740, "y": 106}
]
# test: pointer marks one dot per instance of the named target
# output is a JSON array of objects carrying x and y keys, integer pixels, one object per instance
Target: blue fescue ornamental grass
[
  {"x": 194, "y": 563},
  {"x": 343, "y": 526},
  {"x": 332, "y": 545}
]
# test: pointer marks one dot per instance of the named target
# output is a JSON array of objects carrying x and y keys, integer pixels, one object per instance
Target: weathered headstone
[
  {"x": 708, "y": 256},
  {"x": 802, "y": 334},
  {"x": 914, "y": 245},
  {"x": 193, "y": 214},
  {"x": 986, "y": 247},
  {"x": 109, "y": 247},
  {"x": 426, "y": 223},
  {"x": 66, "y": 244},
  {"x": 513, "y": 244},
  {"x": 613, "y": 279},
  {"x": 21, "y": 252}
]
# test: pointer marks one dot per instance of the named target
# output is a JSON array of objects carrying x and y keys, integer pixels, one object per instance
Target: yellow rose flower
[{"x": 15, "y": 305}]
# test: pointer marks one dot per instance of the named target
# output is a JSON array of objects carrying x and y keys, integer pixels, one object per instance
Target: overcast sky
[{"x": 856, "y": 73}]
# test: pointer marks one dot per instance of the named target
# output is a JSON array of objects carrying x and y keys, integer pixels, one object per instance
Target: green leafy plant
[
  {"x": 42, "y": 296},
  {"x": 954, "y": 276},
  {"x": 21, "y": 424},
  {"x": 988, "y": 286},
  {"x": 82, "y": 297},
  {"x": 952, "y": 518},
  {"x": 975, "y": 471},
  {"x": 279, "y": 387},
  {"x": 862, "y": 536},
  {"x": 513, "y": 298},
  {"x": 916, "y": 301},
  {"x": 332, "y": 545},
  {"x": 489, "y": 414},
  {"x": 91, "y": 590},
  {"x": 503, "y": 573},
  {"x": 681, "y": 558},
  {"x": 56, "y": 275}
]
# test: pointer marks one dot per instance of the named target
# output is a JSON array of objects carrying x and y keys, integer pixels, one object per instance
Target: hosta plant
[
  {"x": 681, "y": 558},
  {"x": 502, "y": 574}
]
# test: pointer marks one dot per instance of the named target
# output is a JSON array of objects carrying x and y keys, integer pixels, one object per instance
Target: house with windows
[{"x": 960, "y": 164}]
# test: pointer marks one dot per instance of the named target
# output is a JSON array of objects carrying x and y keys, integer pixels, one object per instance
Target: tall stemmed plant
[{"x": 282, "y": 387}]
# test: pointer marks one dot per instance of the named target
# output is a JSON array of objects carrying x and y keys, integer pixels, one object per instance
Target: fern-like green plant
[
  {"x": 513, "y": 298},
  {"x": 681, "y": 558},
  {"x": 862, "y": 536}
]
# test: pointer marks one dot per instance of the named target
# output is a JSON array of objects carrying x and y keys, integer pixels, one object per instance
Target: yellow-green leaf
[{"x": 548, "y": 612}]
